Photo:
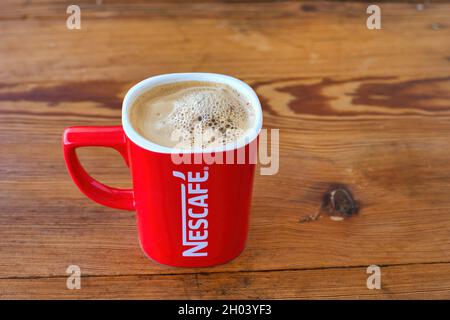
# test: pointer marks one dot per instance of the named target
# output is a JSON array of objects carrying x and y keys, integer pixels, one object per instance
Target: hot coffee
[{"x": 192, "y": 114}]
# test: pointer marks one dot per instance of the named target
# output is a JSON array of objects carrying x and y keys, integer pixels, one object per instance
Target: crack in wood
[{"x": 223, "y": 272}]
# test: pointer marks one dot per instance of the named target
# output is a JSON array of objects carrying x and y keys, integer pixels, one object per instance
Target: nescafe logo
[{"x": 194, "y": 212}]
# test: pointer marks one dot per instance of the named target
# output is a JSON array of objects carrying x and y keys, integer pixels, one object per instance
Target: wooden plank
[
  {"x": 273, "y": 40},
  {"x": 397, "y": 282},
  {"x": 366, "y": 109},
  {"x": 403, "y": 218}
]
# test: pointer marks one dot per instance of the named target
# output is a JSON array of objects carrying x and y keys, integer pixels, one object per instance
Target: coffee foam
[{"x": 192, "y": 115}]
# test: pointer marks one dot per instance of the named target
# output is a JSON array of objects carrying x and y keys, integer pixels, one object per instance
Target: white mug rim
[{"x": 154, "y": 81}]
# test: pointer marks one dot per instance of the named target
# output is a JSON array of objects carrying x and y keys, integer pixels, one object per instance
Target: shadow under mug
[{"x": 190, "y": 214}]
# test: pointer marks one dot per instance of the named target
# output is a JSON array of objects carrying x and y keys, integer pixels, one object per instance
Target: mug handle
[{"x": 108, "y": 136}]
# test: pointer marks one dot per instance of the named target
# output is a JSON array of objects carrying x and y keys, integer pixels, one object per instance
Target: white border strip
[{"x": 148, "y": 83}]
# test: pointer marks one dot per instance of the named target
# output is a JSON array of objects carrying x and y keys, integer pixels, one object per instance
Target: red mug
[{"x": 188, "y": 214}]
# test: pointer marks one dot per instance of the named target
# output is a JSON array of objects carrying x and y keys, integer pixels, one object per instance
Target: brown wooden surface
[{"x": 366, "y": 109}]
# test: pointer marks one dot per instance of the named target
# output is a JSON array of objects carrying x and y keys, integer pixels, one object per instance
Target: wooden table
[{"x": 365, "y": 109}]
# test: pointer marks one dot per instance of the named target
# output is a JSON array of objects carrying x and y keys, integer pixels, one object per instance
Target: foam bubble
[{"x": 213, "y": 115}]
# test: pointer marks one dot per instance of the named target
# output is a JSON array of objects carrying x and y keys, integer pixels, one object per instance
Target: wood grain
[
  {"x": 366, "y": 109},
  {"x": 399, "y": 282}
]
